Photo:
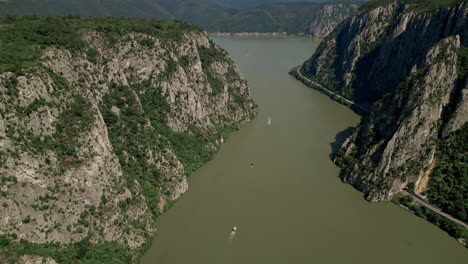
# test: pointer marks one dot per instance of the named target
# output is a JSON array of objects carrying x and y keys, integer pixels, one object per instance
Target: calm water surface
[{"x": 291, "y": 207}]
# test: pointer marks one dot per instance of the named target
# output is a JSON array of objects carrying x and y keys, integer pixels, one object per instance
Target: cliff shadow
[{"x": 339, "y": 140}]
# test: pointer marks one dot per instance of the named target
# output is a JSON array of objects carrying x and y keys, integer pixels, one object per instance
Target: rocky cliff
[
  {"x": 408, "y": 59},
  {"x": 101, "y": 121},
  {"x": 315, "y": 19},
  {"x": 329, "y": 16}
]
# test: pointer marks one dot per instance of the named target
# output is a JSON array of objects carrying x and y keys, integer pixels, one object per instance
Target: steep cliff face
[
  {"x": 397, "y": 143},
  {"x": 329, "y": 16},
  {"x": 407, "y": 59},
  {"x": 371, "y": 53},
  {"x": 99, "y": 132}
]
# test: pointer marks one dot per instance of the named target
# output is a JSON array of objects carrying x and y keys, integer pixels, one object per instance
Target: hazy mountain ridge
[
  {"x": 211, "y": 15},
  {"x": 255, "y": 3},
  {"x": 316, "y": 19}
]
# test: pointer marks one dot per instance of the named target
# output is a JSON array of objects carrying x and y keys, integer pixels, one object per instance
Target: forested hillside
[
  {"x": 255, "y": 3},
  {"x": 317, "y": 19},
  {"x": 314, "y": 18},
  {"x": 408, "y": 59}
]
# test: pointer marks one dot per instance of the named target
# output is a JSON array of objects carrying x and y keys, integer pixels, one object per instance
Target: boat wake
[{"x": 232, "y": 235}]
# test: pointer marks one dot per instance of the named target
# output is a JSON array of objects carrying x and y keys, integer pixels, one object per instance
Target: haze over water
[{"x": 291, "y": 207}]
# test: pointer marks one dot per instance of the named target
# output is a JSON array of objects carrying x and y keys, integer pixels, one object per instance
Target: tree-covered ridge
[
  {"x": 92, "y": 8},
  {"x": 279, "y": 17},
  {"x": 414, "y": 5},
  {"x": 209, "y": 14},
  {"x": 448, "y": 188},
  {"x": 23, "y": 39},
  {"x": 255, "y": 3},
  {"x": 82, "y": 252}
]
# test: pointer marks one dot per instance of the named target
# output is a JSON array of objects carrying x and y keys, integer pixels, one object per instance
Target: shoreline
[
  {"x": 248, "y": 34},
  {"x": 358, "y": 109}
]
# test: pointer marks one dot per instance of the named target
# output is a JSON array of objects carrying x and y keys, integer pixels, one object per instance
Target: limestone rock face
[
  {"x": 371, "y": 53},
  {"x": 405, "y": 63},
  {"x": 328, "y": 17},
  {"x": 396, "y": 143},
  {"x": 94, "y": 145}
]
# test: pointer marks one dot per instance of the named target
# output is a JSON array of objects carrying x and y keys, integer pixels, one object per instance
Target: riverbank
[
  {"x": 241, "y": 34},
  {"x": 359, "y": 109},
  {"x": 292, "y": 206},
  {"x": 257, "y": 34},
  {"x": 430, "y": 213},
  {"x": 418, "y": 206}
]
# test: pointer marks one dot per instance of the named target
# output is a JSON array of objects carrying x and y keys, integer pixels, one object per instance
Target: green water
[{"x": 291, "y": 207}]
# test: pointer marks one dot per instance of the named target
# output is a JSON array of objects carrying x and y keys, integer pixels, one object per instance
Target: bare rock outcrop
[
  {"x": 97, "y": 142},
  {"x": 405, "y": 59}
]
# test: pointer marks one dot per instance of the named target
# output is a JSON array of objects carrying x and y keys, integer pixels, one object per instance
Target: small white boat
[{"x": 269, "y": 121}]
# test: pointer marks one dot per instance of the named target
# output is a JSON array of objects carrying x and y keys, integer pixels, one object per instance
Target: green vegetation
[
  {"x": 91, "y": 8},
  {"x": 326, "y": 56},
  {"x": 430, "y": 5},
  {"x": 75, "y": 120},
  {"x": 415, "y": 5},
  {"x": 136, "y": 116},
  {"x": 22, "y": 40},
  {"x": 448, "y": 188},
  {"x": 82, "y": 252},
  {"x": 212, "y": 16},
  {"x": 254, "y": 3},
  {"x": 278, "y": 17},
  {"x": 462, "y": 62},
  {"x": 372, "y": 4},
  {"x": 406, "y": 200},
  {"x": 132, "y": 138},
  {"x": 70, "y": 124},
  {"x": 332, "y": 96},
  {"x": 443, "y": 223},
  {"x": 328, "y": 66},
  {"x": 207, "y": 57}
]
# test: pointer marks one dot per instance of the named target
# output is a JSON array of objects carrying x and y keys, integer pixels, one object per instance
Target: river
[{"x": 291, "y": 207}]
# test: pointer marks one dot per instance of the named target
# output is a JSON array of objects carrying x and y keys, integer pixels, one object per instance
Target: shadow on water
[{"x": 339, "y": 140}]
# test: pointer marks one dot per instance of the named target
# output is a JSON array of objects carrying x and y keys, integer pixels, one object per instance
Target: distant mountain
[
  {"x": 124, "y": 8},
  {"x": 199, "y": 12},
  {"x": 254, "y": 3},
  {"x": 212, "y": 15},
  {"x": 92, "y": 8},
  {"x": 317, "y": 19}
]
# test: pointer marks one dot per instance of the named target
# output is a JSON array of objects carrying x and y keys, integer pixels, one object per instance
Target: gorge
[
  {"x": 291, "y": 207},
  {"x": 106, "y": 122}
]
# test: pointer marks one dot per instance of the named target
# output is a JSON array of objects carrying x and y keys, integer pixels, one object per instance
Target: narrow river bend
[{"x": 291, "y": 206}]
